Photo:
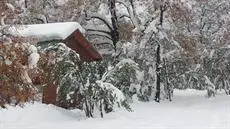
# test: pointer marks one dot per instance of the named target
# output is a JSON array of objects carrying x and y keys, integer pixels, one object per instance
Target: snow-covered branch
[
  {"x": 101, "y": 18},
  {"x": 99, "y": 33},
  {"x": 3, "y": 20},
  {"x": 130, "y": 9},
  {"x": 10, "y": 6},
  {"x": 42, "y": 18}
]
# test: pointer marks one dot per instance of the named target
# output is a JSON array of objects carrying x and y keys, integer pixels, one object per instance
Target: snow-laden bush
[
  {"x": 17, "y": 66},
  {"x": 80, "y": 84},
  {"x": 124, "y": 76}
]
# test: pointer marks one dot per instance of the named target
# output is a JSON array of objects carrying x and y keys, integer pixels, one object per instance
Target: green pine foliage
[
  {"x": 122, "y": 75},
  {"x": 81, "y": 84}
]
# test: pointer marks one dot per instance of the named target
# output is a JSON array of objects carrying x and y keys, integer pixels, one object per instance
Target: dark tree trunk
[
  {"x": 26, "y": 3},
  {"x": 161, "y": 16},
  {"x": 158, "y": 69},
  {"x": 114, "y": 32},
  {"x": 162, "y": 10},
  {"x": 158, "y": 88},
  {"x": 88, "y": 111},
  {"x": 168, "y": 90}
]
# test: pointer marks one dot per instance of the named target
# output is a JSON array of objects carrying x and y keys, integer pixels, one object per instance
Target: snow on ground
[{"x": 189, "y": 110}]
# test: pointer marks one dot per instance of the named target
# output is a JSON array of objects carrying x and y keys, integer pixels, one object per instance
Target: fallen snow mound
[
  {"x": 190, "y": 109},
  {"x": 37, "y": 113}
]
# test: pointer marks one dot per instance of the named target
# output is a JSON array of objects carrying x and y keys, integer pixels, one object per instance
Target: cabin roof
[
  {"x": 46, "y": 32},
  {"x": 68, "y": 32}
]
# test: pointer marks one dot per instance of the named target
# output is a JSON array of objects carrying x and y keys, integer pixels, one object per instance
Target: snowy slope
[{"x": 189, "y": 110}]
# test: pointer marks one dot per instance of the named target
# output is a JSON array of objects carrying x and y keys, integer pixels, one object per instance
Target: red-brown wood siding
[
  {"x": 79, "y": 43},
  {"x": 49, "y": 94}
]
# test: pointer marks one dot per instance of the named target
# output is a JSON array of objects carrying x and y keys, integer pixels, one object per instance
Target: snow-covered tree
[
  {"x": 197, "y": 36},
  {"x": 18, "y": 62}
]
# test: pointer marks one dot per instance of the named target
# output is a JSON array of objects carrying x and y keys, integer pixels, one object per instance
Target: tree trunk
[
  {"x": 162, "y": 9},
  {"x": 167, "y": 87},
  {"x": 114, "y": 32},
  {"x": 26, "y": 4},
  {"x": 158, "y": 88}
]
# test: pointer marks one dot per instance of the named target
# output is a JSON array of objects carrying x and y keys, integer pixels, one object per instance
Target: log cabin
[{"x": 70, "y": 33}]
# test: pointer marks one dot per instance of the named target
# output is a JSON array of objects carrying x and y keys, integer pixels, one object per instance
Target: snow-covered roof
[{"x": 48, "y": 31}]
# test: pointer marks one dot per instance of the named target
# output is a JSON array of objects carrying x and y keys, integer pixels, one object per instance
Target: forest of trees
[{"x": 149, "y": 48}]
